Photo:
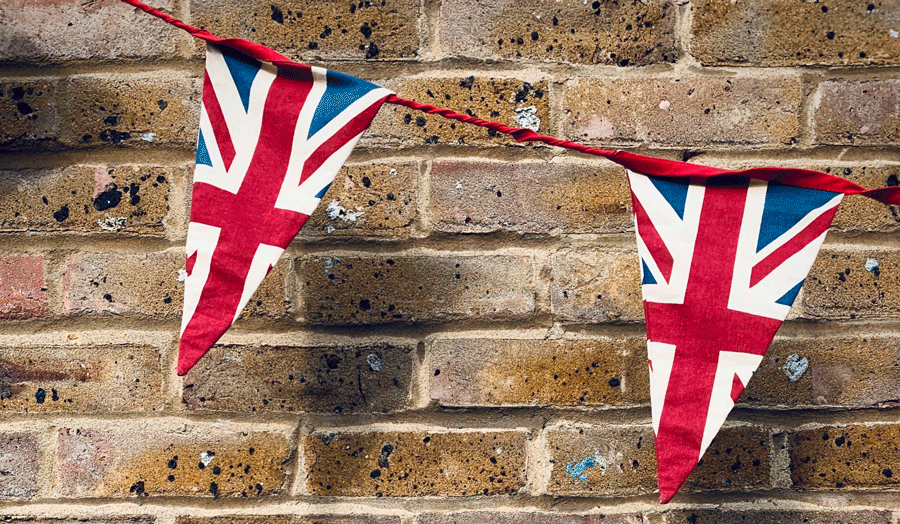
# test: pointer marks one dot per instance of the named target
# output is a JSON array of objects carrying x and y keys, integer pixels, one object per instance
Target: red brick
[
  {"x": 415, "y": 463},
  {"x": 765, "y": 33},
  {"x": 60, "y": 30},
  {"x": 19, "y": 464},
  {"x": 857, "y": 371},
  {"x": 853, "y": 457},
  {"x": 704, "y": 112},
  {"x": 857, "y": 113},
  {"x": 624, "y": 34},
  {"x": 124, "y": 198},
  {"x": 477, "y": 372},
  {"x": 97, "y": 379},
  {"x": 529, "y": 197},
  {"x": 411, "y": 288},
  {"x": 332, "y": 379},
  {"x": 333, "y": 29},
  {"x": 625, "y": 461},
  {"x": 840, "y": 287},
  {"x": 28, "y": 114},
  {"x": 781, "y": 516},
  {"x": 22, "y": 291},
  {"x": 179, "y": 460},
  {"x": 596, "y": 286},
  {"x": 533, "y": 517}
]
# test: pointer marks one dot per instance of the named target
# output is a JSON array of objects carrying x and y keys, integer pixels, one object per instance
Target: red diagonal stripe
[
  {"x": 355, "y": 126},
  {"x": 652, "y": 240},
  {"x": 791, "y": 247},
  {"x": 217, "y": 121}
]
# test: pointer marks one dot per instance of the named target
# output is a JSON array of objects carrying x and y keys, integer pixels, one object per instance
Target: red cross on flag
[
  {"x": 722, "y": 260},
  {"x": 273, "y": 135}
]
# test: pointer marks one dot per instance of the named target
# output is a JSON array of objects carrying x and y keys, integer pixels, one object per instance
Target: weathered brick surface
[
  {"x": 707, "y": 112},
  {"x": 127, "y": 519},
  {"x": 593, "y": 461},
  {"x": 529, "y": 197},
  {"x": 140, "y": 110},
  {"x": 782, "y": 516},
  {"x": 854, "y": 371},
  {"x": 379, "y": 290},
  {"x": 333, "y": 379},
  {"x": 22, "y": 291},
  {"x": 333, "y": 29},
  {"x": 59, "y": 30},
  {"x": 766, "y": 33},
  {"x": 495, "y": 99},
  {"x": 291, "y": 519},
  {"x": 19, "y": 461},
  {"x": 589, "y": 33},
  {"x": 377, "y": 198},
  {"x": 596, "y": 286},
  {"x": 496, "y": 517},
  {"x": 415, "y": 463},
  {"x": 857, "y": 113},
  {"x": 98, "y": 379},
  {"x": 171, "y": 461},
  {"x": 840, "y": 287},
  {"x": 147, "y": 284},
  {"x": 849, "y": 457},
  {"x": 864, "y": 214},
  {"x": 477, "y": 372},
  {"x": 127, "y": 198},
  {"x": 29, "y": 116}
]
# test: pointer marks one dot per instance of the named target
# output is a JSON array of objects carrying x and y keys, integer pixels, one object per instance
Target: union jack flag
[
  {"x": 722, "y": 260},
  {"x": 272, "y": 138}
]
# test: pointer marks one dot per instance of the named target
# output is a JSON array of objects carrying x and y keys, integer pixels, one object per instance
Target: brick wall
[{"x": 478, "y": 327}]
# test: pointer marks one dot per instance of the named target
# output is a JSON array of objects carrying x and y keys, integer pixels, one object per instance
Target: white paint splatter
[
  {"x": 795, "y": 366},
  {"x": 148, "y": 137},
  {"x": 206, "y": 458},
  {"x": 336, "y": 211},
  {"x": 374, "y": 361},
  {"x": 894, "y": 33},
  {"x": 527, "y": 117},
  {"x": 664, "y": 105},
  {"x": 329, "y": 229},
  {"x": 182, "y": 275},
  {"x": 393, "y": 172},
  {"x": 111, "y": 223},
  {"x": 330, "y": 263},
  {"x": 459, "y": 184},
  {"x": 872, "y": 266}
]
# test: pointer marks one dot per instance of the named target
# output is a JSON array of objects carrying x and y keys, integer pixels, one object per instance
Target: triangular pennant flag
[
  {"x": 722, "y": 260},
  {"x": 273, "y": 135}
]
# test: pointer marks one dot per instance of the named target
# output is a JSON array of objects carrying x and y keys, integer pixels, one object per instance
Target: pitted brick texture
[
  {"x": 704, "y": 112},
  {"x": 477, "y": 372},
  {"x": 597, "y": 32},
  {"x": 529, "y": 197},
  {"x": 857, "y": 371},
  {"x": 22, "y": 287},
  {"x": 783, "y": 33},
  {"x": 377, "y": 198},
  {"x": 596, "y": 286},
  {"x": 415, "y": 463},
  {"x": 331, "y": 379},
  {"x": 19, "y": 461},
  {"x": 59, "y": 30},
  {"x": 857, "y": 113},
  {"x": 172, "y": 461},
  {"x": 624, "y": 461},
  {"x": 334, "y": 29},
  {"x": 29, "y": 114},
  {"x": 495, "y": 99},
  {"x": 142, "y": 110},
  {"x": 291, "y": 519},
  {"x": 844, "y": 458},
  {"x": 827, "y": 516},
  {"x": 513, "y": 517},
  {"x": 124, "y": 198},
  {"x": 99, "y": 379},
  {"x": 380, "y": 290},
  {"x": 840, "y": 287},
  {"x": 147, "y": 284}
]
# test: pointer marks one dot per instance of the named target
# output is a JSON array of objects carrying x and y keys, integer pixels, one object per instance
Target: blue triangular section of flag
[
  {"x": 342, "y": 91},
  {"x": 647, "y": 276},
  {"x": 243, "y": 70},
  {"x": 202, "y": 152},
  {"x": 674, "y": 190},
  {"x": 784, "y": 207},
  {"x": 788, "y": 298}
]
